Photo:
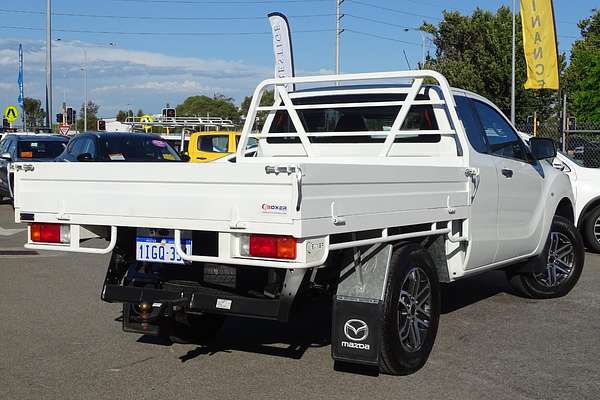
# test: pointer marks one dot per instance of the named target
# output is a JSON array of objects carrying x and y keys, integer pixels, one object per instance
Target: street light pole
[
  {"x": 338, "y": 32},
  {"x": 48, "y": 63},
  {"x": 85, "y": 101},
  {"x": 513, "y": 86}
]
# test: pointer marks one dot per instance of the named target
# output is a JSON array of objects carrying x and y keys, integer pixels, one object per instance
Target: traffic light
[
  {"x": 70, "y": 116},
  {"x": 59, "y": 118},
  {"x": 101, "y": 125},
  {"x": 5, "y": 124},
  {"x": 169, "y": 112}
]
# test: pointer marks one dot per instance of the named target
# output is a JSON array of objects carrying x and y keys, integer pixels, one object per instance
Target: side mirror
[
  {"x": 6, "y": 156},
  {"x": 542, "y": 148},
  {"x": 85, "y": 157},
  {"x": 184, "y": 157}
]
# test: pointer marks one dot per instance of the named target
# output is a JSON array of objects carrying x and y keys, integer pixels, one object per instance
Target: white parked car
[
  {"x": 586, "y": 188},
  {"x": 371, "y": 193}
]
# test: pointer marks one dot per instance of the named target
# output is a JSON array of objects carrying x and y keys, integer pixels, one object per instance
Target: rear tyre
[
  {"x": 591, "y": 230},
  {"x": 411, "y": 311},
  {"x": 562, "y": 263}
]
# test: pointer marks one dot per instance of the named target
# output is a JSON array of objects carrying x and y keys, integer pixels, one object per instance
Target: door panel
[
  {"x": 483, "y": 232},
  {"x": 520, "y": 185},
  {"x": 520, "y": 209}
]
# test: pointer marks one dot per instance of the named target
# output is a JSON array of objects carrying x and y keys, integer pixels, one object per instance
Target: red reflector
[
  {"x": 273, "y": 246},
  {"x": 47, "y": 233}
]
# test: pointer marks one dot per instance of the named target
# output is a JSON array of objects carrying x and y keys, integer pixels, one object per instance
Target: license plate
[{"x": 160, "y": 250}]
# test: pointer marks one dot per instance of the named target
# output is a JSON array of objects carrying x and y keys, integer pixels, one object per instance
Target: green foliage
[
  {"x": 140, "y": 113},
  {"x": 122, "y": 115},
  {"x": 92, "y": 117},
  {"x": 583, "y": 75},
  {"x": 475, "y": 53},
  {"x": 35, "y": 114},
  {"x": 267, "y": 100},
  {"x": 201, "y": 106}
]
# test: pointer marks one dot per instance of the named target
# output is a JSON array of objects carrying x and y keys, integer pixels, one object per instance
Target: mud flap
[
  {"x": 358, "y": 307},
  {"x": 356, "y": 330}
]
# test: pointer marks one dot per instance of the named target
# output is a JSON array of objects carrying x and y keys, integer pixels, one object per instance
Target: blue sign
[{"x": 21, "y": 98}]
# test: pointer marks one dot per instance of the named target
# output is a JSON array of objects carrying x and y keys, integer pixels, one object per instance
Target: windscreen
[
  {"x": 377, "y": 119},
  {"x": 43, "y": 149},
  {"x": 121, "y": 148}
]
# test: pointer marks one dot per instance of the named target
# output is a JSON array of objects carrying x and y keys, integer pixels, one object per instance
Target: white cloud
[{"x": 122, "y": 78}]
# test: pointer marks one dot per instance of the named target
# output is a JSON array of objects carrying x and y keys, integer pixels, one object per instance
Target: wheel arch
[
  {"x": 565, "y": 209},
  {"x": 589, "y": 207}
]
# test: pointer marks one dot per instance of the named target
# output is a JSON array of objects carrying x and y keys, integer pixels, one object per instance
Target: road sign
[
  {"x": 64, "y": 129},
  {"x": 146, "y": 119},
  {"x": 11, "y": 113}
]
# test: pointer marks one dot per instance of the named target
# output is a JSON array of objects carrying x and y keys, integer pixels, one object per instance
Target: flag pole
[{"x": 513, "y": 86}]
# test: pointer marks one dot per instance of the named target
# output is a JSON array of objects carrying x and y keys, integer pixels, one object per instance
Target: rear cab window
[
  {"x": 121, "y": 148},
  {"x": 42, "y": 149},
  {"x": 356, "y": 119},
  {"x": 214, "y": 143}
]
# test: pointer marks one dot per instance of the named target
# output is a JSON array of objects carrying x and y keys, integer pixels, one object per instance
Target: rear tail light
[
  {"x": 50, "y": 233},
  {"x": 269, "y": 246}
]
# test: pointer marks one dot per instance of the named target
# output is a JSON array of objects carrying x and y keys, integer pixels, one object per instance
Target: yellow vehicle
[{"x": 210, "y": 146}]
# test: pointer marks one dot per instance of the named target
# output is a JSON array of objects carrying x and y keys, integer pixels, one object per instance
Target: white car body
[
  {"x": 313, "y": 191},
  {"x": 586, "y": 186}
]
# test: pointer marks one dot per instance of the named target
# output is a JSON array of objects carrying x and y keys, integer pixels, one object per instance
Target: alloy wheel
[
  {"x": 414, "y": 309},
  {"x": 560, "y": 263}
]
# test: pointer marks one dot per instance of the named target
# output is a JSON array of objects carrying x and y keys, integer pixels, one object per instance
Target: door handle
[{"x": 507, "y": 172}]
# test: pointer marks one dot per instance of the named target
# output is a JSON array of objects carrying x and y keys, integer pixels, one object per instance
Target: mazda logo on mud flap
[{"x": 356, "y": 330}]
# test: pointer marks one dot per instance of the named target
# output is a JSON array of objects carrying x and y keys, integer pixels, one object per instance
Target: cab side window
[
  {"x": 89, "y": 146},
  {"x": 76, "y": 147},
  {"x": 473, "y": 128},
  {"x": 503, "y": 141}
]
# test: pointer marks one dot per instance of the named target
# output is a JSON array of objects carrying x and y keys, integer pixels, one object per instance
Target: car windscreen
[
  {"x": 122, "y": 148},
  {"x": 44, "y": 149},
  {"x": 378, "y": 120}
]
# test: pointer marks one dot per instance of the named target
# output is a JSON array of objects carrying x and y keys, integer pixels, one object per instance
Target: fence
[{"x": 582, "y": 139}]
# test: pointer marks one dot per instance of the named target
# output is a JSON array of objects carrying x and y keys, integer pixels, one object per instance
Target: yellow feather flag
[{"x": 539, "y": 43}]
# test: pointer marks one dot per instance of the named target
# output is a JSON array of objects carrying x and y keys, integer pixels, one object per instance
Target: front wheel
[
  {"x": 562, "y": 263},
  {"x": 411, "y": 311}
]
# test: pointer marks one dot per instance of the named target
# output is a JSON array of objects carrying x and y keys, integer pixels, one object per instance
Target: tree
[
  {"x": 216, "y": 106},
  {"x": 583, "y": 74},
  {"x": 266, "y": 100},
  {"x": 92, "y": 117},
  {"x": 122, "y": 115},
  {"x": 140, "y": 113},
  {"x": 35, "y": 114},
  {"x": 474, "y": 53}
]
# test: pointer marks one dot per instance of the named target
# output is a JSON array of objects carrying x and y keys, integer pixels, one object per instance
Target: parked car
[
  {"x": 584, "y": 151},
  {"x": 210, "y": 146},
  {"x": 26, "y": 147},
  {"x": 585, "y": 182},
  {"x": 586, "y": 188},
  {"x": 370, "y": 192},
  {"x": 119, "y": 146}
]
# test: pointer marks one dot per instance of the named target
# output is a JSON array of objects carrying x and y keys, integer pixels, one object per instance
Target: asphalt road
[{"x": 59, "y": 341}]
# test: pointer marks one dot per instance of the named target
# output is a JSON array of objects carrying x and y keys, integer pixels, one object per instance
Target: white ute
[{"x": 374, "y": 190}]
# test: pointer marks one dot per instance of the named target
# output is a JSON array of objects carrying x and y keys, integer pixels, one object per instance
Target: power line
[
  {"x": 382, "y": 37},
  {"x": 394, "y": 10},
  {"x": 145, "y": 17},
  {"x": 379, "y": 21},
  {"x": 159, "y": 33}
]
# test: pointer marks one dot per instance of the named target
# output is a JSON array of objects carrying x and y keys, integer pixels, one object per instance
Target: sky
[{"x": 143, "y": 54}]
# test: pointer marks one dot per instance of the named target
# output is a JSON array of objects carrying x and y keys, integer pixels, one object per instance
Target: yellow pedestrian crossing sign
[
  {"x": 11, "y": 113},
  {"x": 147, "y": 119}
]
